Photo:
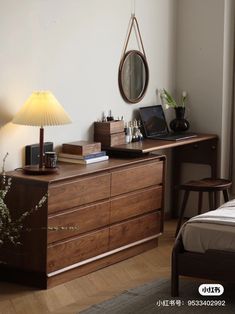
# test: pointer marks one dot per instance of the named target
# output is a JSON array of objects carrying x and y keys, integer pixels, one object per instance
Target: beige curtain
[{"x": 227, "y": 138}]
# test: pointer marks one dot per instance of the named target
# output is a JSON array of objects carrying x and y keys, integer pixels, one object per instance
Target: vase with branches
[
  {"x": 11, "y": 228},
  {"x": 179, "y": 124}
]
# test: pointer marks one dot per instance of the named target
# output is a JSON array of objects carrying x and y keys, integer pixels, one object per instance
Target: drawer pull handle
[
  {"x": 213, "y": 147},
  {"x": 195, "y": 146}
]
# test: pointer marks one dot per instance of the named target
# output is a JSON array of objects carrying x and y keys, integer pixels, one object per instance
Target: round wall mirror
[{"x": 133, "y": 76}]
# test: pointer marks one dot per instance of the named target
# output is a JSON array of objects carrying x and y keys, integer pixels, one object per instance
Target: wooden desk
[{"x": 202, "y": 149}]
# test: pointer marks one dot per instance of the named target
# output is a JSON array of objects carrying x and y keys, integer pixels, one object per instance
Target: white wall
[
  {"x": 73, "y": 48},
  {"x": 200, "y": 31},
  {"x": 200, "y": 70}
]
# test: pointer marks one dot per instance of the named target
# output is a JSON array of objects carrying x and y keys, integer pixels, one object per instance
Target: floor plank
[{"x": 76, "y": 295}]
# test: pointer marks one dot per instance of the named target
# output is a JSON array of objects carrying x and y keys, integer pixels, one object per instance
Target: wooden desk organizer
[{"x": 109, "y": 133}]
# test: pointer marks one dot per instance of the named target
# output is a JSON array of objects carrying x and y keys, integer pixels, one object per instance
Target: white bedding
[{"x": 212, "y": 230}]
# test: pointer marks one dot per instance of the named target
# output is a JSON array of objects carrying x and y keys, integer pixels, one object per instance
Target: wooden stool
[{"x": 205, "y": 185}]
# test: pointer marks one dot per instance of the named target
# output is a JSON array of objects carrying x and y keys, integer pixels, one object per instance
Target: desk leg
[
  {"x": 204, "y": 152},
  {"x": 175, "y": 181}
]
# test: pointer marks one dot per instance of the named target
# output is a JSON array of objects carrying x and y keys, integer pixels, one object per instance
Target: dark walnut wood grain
[
  {"x": 134, "y": 230},
  {"x": 78, "y": 249},
  {"x": 75, "y": 193},
  {"x": 70, "y": 223},
  {"x": 30, "y": 254},
  {"x": 109, "y": 127},
  {"x": 67, "y": 171},
  {"x": 137, "y": 177},
  {"x": 110, "y": 139},
  {"x": 117, "y": 205},
  {"x": 148, "y": 146},
  {"x": 96, "y": 215},
  {"x": 101, "y": 263},
  {"x": 135, "y": 203}
]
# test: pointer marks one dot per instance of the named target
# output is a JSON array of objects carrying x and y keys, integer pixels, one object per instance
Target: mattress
[{"x": 212, "y": 230}]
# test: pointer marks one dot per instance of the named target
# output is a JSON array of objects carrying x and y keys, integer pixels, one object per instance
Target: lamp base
[{"x": 35, "y": 170}]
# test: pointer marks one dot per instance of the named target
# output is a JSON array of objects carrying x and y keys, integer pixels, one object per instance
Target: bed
[{"x": 205, "y": 247}]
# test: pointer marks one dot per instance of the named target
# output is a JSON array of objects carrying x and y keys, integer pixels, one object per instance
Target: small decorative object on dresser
[
  {"x": 110, "y": 133},
  {"x": 81, "y": 147},
  {"x": 82, "y": 152},
  {"x": 50, "y": 159}
]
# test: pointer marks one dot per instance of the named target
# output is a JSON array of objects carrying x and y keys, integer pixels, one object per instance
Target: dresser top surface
[{"x": 69, "y": 170}]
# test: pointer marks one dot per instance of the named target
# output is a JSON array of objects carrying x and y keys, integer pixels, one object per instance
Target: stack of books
[{"x": 82, "y": 152}]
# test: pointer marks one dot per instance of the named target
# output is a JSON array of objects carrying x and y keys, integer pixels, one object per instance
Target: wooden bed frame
[{"x": 213, "y": 264}]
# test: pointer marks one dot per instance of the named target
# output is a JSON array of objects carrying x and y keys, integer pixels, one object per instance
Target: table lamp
[{"x": 41, "y": 109}]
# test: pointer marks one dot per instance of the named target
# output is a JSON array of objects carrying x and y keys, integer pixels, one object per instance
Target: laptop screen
[{"x": 153, "y": 120}]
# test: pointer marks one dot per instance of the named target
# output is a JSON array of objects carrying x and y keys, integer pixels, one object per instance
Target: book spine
[
  {"x": 97, "y": 159},
  {"x": 94, "y": 155},
  {"x": 90, "y": 156},
  {"x": 83, "y": 161}
]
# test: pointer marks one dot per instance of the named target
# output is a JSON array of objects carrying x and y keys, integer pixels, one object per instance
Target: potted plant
[{"x": 179, "y": 124}]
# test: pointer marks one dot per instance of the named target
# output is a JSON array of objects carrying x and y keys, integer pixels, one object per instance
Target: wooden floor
[{"x": 81, "y": 293}]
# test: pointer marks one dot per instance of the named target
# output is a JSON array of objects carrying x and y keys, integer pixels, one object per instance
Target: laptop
[{"x": 155, "y": 126}]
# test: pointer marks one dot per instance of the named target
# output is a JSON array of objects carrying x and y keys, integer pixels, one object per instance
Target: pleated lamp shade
[{"x": 41, "y": 109}]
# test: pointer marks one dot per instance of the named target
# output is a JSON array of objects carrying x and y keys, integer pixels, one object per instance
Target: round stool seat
[
  {"x": 206, "y": 185},
  {"x": 210, "y": 185}
]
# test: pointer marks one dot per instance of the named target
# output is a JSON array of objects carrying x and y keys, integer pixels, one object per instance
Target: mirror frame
[{"x": 120, "y": 83}]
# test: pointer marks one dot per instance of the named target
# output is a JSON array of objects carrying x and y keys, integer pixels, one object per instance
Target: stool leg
[
  {"x": 216, "y": 197},
  {"x": 225, "y": 193},
  {"x": 200, "y": 197},
  {"x": 186, "y": 195},
  {"x": 211, "y": 201}
]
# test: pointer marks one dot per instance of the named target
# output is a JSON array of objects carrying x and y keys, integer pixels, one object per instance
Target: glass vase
[{"x": 179, "y": 124}]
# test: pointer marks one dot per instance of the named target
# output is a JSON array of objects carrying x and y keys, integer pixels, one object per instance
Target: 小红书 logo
[{"x": 211, "y": 289}]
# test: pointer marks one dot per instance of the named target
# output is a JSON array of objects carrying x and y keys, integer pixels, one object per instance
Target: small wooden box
[
  {"x": 81, "y": 148},
  {"x": 110, "y": 127},
  {"x": 108, "y": 140}
]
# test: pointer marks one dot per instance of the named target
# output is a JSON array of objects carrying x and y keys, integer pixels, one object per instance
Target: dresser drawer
[
  {"x": 76, "y": 193},
  {"x": 199, "y": 152},
  {"x": 134, "y": 230},
  {"x": 135, "y": 203},
  {"x": 75, "y": 250},
  {"x": 137, "y": 177},
  {"x": 73, "y": 222}
]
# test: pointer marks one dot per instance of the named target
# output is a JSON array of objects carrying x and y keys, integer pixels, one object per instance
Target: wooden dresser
[{"x": 96, "y": 215}]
